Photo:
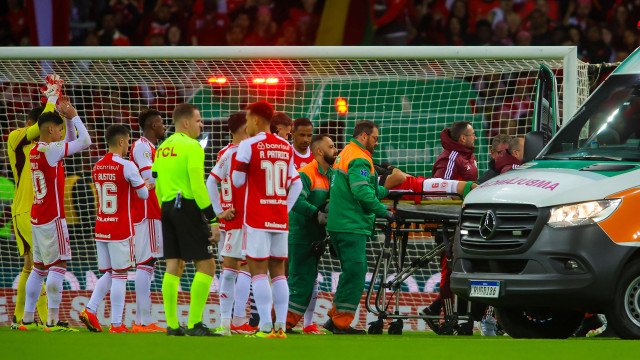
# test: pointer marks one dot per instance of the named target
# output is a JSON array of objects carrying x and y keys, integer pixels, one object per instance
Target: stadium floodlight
[{"x": 411, "y": 92}]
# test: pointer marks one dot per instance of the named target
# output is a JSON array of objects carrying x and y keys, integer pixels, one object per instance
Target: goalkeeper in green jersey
[
  {"x": 186, "y": 214},
  {"x": 306, "y": 232}
]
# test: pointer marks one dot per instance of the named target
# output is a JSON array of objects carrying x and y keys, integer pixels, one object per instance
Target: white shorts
[
  {"x": 148, "y": 240},
  {"x": 51, "y": 243},
  {"x": 115, "y": 255},
  {"x": 232, "y": 244},
  {"x": 263, "y": 244}
]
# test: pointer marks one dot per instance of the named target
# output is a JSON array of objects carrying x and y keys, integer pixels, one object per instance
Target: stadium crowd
[{"x": 604, "y": 31}]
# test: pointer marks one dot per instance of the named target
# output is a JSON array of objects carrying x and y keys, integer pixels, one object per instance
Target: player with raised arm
[
  {"x": 265, "y": 164},
  {"x": 115, "y": 179},
  {"x": 19, "y": 144},
  {"x": 146, "y": 219},
  {"x": 302, "y": 134},
  {"x": 228, "y": 203},
  {"x": 51, "y": 249}
]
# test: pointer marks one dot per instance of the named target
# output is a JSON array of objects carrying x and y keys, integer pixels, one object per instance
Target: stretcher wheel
[
  {"x": 395, "y": 328},
  {"x": 375, "y": 327}
]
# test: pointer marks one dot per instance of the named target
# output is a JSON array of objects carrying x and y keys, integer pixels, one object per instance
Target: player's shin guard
[
  {"x": 54, "y": 292},
  {"x": 118, "y": 289},
  {"x": 264, "y": 300},
  {"x": 308, "y": 314},
  {"x": 33, "y": 286},
  {"x": 144, "y": 275},
  {"x": 199, "y": 294},
  {"x": 226, "y": 293},
  {"x": 103, "y": 285},
  {"x": 241, "y": 296},
  {"x": 280, "y": 290},
  {"x": 170, "y": 285}
]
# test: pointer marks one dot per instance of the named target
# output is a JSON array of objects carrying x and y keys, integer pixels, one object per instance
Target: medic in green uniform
[
  {"x": 307, "y": 222},
  {"x": 355, "y": 203}
]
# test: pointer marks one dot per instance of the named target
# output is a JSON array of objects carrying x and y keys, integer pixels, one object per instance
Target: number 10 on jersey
[{"x": 275, "y": 175}]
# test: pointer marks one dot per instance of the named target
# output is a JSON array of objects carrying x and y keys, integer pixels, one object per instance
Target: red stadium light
[
  {"x": 218, "y": 80},
  {"x": 266, "y": 81},
  {"x": 342, "y": 106}
]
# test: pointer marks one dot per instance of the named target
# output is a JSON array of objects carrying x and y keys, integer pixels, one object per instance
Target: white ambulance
[{"x": 560, "y": 236}]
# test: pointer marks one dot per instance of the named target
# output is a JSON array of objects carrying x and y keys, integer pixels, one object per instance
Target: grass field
[{"x": 90, "y": 346}]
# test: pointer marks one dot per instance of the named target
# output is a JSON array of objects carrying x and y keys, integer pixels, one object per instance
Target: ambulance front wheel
[{"x": 624, "y": 313}]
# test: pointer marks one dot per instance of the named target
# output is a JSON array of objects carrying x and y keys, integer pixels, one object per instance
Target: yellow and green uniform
[
  {"x": 355, "y": 203},
  {"x": 304, "y": 229},
  {"x": 19, "y": 143},
  {"x": 179, "y": 168}
]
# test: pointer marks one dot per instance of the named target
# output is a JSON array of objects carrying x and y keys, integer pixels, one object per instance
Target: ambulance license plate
[{"x": 484, "y": 289}]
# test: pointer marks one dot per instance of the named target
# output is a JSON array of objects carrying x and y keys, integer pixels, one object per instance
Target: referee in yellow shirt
[
  {"x": 186, "y": 215},
  {"x": 19, "y": 144}
]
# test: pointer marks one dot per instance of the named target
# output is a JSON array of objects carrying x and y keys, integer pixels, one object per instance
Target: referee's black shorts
[{"x": 185, "y": 232}]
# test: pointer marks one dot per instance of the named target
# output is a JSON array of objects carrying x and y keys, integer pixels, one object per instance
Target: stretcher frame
[{"x": 381, "y": 292}]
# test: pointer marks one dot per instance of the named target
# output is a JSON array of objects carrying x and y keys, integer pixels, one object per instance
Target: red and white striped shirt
[
  {"x": 268, "y": 162},
  {"x": 142, "y": 154},
  {"x": 116, "y": 179},
  {"x": 230, "y": 196},
  {"x": 47, "y": 174},
  {"x": 300, "y": 160}
]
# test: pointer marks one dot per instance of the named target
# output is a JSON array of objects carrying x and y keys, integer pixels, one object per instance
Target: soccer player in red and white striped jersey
[
  {"x": 51, "y": 249},
  {"x": 302, "y": 134},
  {"x": 116, "y": 180},
  {"x": 146, "y": 219},
  {"x": 228, "y": 203},
  {"x": 265, "y": 164}
]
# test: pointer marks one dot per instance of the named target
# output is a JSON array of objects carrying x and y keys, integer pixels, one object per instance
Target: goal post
[{"x": 411, "y": 92}]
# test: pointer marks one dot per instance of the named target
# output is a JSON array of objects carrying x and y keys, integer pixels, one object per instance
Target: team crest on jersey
[
  {"x": 260, "y": 146},
  {"x": 147, "y": 155},
  {"x": 364, "y": 172}
]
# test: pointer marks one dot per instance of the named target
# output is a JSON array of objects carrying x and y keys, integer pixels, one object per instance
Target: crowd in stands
[{"x": 604, "y": 30}]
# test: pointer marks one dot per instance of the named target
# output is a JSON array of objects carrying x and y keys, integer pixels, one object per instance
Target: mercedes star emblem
[{"x": 487, "y": 225}]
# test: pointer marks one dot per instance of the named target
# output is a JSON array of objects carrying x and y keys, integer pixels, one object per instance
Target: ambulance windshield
[{"x": 607, "y": 127}]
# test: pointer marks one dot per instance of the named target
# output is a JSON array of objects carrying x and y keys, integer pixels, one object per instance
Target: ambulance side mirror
[{"x": 533, "y": 144}]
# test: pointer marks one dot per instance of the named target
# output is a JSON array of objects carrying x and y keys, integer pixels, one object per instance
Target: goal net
[{"x": 412, "y": 93}]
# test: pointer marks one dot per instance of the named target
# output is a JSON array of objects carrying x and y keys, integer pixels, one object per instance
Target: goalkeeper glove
[{"x": 52, "y": 87}]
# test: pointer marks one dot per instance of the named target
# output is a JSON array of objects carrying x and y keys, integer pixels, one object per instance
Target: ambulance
[{"x": 559, "y": 237}]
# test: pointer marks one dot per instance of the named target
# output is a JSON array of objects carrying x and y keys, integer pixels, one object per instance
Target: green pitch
[{"x": 90, "y": 346}]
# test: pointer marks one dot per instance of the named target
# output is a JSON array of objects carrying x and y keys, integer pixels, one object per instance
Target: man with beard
[
  {"x": 456, "y": 162},
  {"x": 307, "y": 220},
  {"x": 355, "y": 203}
]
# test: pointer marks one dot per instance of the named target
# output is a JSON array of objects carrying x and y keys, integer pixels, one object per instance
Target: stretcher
[{"x": 393, "y": 265}]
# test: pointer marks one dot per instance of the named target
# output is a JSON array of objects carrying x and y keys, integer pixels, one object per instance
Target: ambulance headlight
[{"x": 589, "y": 212}]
